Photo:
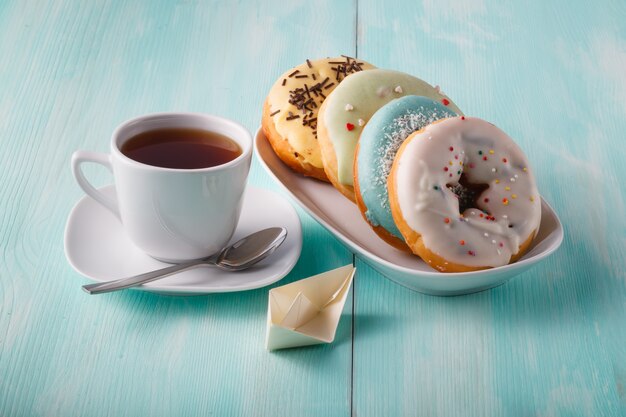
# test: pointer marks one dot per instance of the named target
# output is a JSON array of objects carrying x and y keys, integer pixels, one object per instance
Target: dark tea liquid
[{"x": 181, "y": 148}]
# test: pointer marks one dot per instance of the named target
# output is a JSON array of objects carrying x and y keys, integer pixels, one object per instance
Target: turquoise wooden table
[{"x": 551, "y": 342}]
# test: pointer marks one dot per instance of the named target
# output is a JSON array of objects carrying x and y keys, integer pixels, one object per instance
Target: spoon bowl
[{"x": 248, "y": 251}]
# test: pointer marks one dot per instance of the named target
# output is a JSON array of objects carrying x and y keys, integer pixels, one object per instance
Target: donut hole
[{"x": 467, "y": 193}]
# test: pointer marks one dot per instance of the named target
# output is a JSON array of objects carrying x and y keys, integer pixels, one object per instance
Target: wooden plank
[
  {"x": 552, "y": 341},
  {"x": 70, "y": 72}
]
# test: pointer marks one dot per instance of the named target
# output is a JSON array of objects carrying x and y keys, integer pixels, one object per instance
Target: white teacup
[{"x": 173, "y": 214}]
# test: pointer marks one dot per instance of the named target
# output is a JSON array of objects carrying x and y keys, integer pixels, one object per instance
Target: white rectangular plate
[{"x": 342, "y": 218}]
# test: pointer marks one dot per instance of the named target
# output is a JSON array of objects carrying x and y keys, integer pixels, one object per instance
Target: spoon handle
[{"x": 136, "y": 280}]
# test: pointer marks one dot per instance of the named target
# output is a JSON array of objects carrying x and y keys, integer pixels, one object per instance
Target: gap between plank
[
  {"x": 356, "y": 56},
  {"x": 352, "y": 333}
]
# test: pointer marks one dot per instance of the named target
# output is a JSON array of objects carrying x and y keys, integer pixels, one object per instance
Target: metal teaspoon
[{"x": 240, "y": 255}]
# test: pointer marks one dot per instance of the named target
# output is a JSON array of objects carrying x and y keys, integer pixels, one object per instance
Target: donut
[
  {"x": 290, "y": 110},
  {"x": 347, "y": 109},
  {"x": 376, "y": 150},
  {"x": 463, "y": 195}
]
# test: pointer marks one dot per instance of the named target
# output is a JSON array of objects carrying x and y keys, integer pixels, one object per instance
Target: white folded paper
[{"x": 307, "y": 312}]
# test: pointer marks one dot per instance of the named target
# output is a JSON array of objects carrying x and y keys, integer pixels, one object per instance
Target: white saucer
[{"x": 97, "y": 247}]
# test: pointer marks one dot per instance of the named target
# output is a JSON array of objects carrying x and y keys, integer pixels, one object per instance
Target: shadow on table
[{"x": 237, "y": 305}]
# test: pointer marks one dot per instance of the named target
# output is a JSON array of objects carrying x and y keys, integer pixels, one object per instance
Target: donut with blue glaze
[{"x": 378, "y": 144}]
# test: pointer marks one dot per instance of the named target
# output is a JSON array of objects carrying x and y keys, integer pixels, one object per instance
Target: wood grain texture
[
  {"x": 71, "y": 71},
  {"x": 552, "y": 341}
]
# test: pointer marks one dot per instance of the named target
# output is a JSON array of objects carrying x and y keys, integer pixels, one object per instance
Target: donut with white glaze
[
  {"x": 463, "y": 195},
  {"x": 290, "y": 111},
  {"x": 379, "y": 142},
  {"x": 350, "y": 106}
]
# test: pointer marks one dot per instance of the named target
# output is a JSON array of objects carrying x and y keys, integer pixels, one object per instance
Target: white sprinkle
[
  {"x": 398, "y": 90},
  {"x": 473, "y": 213},
  {"x": 361, "y": 122},
  {"x": 437, "y": 89},
  {"x": 498, "y": 250},
  {"x": 493, "y": 170},
  {"x": 504, "y": 216},
  {"x": 349, "y": 107},
  {"x": 516, "y": 176},
  {"x": 466, "y": 219},
  {"x": 430, "y": 138},
  {"x": 486, "y": 234},
  {"x": 512, "y": 179},
  {"x": 493, "y": 241}
]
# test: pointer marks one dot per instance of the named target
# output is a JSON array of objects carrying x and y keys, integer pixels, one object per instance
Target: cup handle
[{"x": 80, "y": 157}]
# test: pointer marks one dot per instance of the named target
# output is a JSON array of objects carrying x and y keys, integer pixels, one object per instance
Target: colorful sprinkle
[
  {"x": 504, "y": 160},
  {"x": 471, "y": 253},
  {"x": 446, "y": 220},
  {"x": 497, "y": 181},
  {"x": 486, "y": 200},
  {"x": 525, "y": 169},
  {"x": 451, "y": 148},
  {"x": 445, "y": 101},
  {"x": 445, "y": 169},
  {"x": 350, "y": 127},
  {"x": 450, "y": 163},
  {"x": 456, "y": 156},
  {"x": 462, "y": 117},
  {"x": 435, "y": 188},
  {"x": 532, "y": 198},
  {"x": 471, "y": 165},
  {"x": 491, "y": 152},
  {"x": 481, "y": 215},
  {"x": 501, "y": 245},
  {"x": 507, "y": 188},
  {"x": 513, "y": 195},
  {"x": 462, "y": 242},
  {"x": 484, "y": 158},
  {"x": 480, "y": 152},
  {"x": 505, "y": 201}
]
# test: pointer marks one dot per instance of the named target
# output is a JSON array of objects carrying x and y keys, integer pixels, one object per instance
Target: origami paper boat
[{"x": 307, "y": 312}]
